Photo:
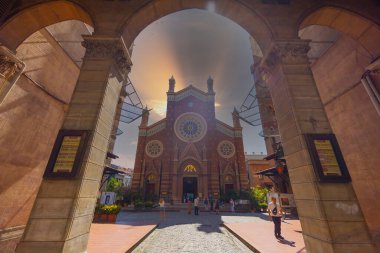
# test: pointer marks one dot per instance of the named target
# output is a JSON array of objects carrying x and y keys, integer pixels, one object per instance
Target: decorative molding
[
  {"x": 109, "y": 47},
  {"x": 142, "y": 132},
  {"x": 190, "y": 151},
  {"x": 289, "y": 52},
  {"x": 221, "y": 127},
  {"x": 238, "y": 133},
  {"x": 156, "y": 128},
  {"x": 11, "y": 69},
  {"x": 191, "y": 91}
]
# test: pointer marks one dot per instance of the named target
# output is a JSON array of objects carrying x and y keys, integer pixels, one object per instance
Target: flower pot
[
  {"x": 103, "y": 218},
  {"x": 97, "y": 217},
  {"x": 111, "y": 218}
]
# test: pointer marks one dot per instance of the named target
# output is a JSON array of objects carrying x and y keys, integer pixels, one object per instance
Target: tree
[{"x": 259, "y": 197}]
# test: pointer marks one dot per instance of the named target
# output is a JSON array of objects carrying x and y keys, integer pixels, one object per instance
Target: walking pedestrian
[
  {"x": 232, "y": 205},
  {"x": 205, "y": 203},
  {"x": 217, "y": 206},
  {"x": 275, "y": 212},
  {"x": 162, "y": 209},
  {"x": 196, "y": 206}
]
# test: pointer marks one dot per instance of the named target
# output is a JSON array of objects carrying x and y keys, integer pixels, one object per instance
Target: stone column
[
  {"x": 330, "y": 215},
  {"x": 63, "y": 211},
  {"x": 11, "y": 69},
  {"x": 115, "y": 127}
]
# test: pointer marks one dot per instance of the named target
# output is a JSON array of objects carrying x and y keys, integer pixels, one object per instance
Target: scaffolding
[
  {"x": 249, "y": 111},
  {"x": 131, "y": 108}
]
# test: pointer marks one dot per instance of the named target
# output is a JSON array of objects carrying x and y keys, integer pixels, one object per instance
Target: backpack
[{"x": 274, "y": 211}]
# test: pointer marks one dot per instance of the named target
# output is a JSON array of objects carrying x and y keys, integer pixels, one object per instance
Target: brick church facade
[{"x": 189, "y": 152}]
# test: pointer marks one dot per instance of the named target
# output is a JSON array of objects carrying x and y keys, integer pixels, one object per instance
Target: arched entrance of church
[
  {"x": 189, "y": 188},
  {"x": 190, "y": 181}
]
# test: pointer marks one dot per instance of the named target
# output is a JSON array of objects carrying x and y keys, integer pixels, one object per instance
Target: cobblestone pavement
[{"x": 181, "y": 232}]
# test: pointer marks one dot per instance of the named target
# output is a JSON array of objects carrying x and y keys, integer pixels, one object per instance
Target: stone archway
[
  {"x": 340, "y": 69},
  {"x": 34, "y": 106},
  {"x": 286, "y": 70},
  {"x": 299, "y": 111},
  {"x": 31, "y": 19}
]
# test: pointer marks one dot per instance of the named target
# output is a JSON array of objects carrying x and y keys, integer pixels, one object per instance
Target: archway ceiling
[
  {"x": 264, "y": 20},
  {"x": 68, "y": 34},
  {"x": 322, "y": 38}
]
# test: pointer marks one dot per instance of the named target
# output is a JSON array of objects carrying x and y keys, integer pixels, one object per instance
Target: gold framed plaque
[
  {"x": 327, "y": 159},
  {"x": 67, "y": 154}
]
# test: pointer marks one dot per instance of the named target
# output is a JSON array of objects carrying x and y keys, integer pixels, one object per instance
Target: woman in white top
[
  {"x": 162, "y": 208},
  {"x": 232, "y": 205}
]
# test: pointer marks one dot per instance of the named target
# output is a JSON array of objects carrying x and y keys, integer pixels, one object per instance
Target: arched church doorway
[
  {"x": 190, "y": 188},
  {"x": 190, "y": 181}
]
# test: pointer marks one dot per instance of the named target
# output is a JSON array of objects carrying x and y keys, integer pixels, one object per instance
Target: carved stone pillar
[
  {"x": 266, "y": 109},
  {"x": 63, "y": 211},
  {"x": 10, "y": 70},
  {"x": 330, "y": 215}
]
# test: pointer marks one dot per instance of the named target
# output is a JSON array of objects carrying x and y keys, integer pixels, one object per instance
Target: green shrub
[
  {"x": 138, "y": 204},
  {"x": 148, "y": 204},
  {"x": 132, "y": 197}
]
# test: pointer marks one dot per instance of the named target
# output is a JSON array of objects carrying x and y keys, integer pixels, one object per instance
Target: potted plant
[{"x": 110, "y": 212}]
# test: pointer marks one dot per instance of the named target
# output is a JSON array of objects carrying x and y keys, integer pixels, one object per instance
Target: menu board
[
  {"x": 67, "y": 154},
  {"x": 327, "y": 158}
]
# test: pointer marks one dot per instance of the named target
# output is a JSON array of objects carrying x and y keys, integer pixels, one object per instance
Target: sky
[{"x": 191, "y": 45}]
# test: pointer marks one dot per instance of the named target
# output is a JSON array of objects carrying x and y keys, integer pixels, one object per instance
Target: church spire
[
  {"x": 236, "y": 118},
  {"x": 210, "y": 85},
  {"x": 144, "y": 117},
  {"x": 171, "y": 84}
]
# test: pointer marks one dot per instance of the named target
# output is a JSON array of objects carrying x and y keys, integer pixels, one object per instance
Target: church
[{"x": 190, "y": 152}]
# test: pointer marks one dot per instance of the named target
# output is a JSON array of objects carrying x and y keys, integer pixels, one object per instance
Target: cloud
[{"x": 191, "y": 45}]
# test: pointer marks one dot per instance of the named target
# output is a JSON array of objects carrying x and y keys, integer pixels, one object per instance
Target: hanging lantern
[{"x": 280, "y": 169}]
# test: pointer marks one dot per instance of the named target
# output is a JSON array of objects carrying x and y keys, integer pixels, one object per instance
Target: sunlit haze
[{"x": 191, "y": 45}]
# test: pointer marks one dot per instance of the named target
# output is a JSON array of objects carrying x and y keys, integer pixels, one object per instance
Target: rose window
[
  {"x": 154, "y": 148},
  {"x": 226, "y": 149},
  {"x": 190, "y": 127}
]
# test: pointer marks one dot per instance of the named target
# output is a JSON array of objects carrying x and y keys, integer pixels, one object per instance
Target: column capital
[
  {"x": 287, "y": 52},
  {"x": 101, "y": 47}
]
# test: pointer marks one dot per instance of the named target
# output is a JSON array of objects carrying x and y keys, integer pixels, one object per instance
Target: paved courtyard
[{"x": 181, "y": 232}]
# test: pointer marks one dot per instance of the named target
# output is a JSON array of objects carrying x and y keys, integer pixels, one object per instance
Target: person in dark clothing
[{"x": 275, "y": 212}]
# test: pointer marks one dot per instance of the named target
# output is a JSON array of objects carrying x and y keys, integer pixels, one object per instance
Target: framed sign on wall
[
  {"x": 66, "y": 157},
  {"x": 327, "y": 159}
]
